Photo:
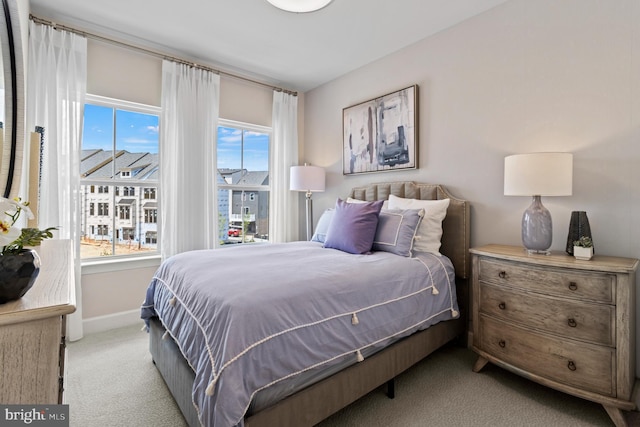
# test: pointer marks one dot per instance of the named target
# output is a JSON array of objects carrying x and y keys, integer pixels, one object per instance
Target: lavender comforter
[{"x": 248, "y": 317}]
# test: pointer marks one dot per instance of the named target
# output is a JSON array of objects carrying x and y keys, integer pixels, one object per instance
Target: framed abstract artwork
[{"x": 381, "y": 134}]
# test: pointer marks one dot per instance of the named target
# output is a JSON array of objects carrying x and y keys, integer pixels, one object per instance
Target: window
[
  {"x": 103, "y": 209},
  {"x": 103, "y": 230},
  {"x": 151, "y": 216},
  {"x": 150, "y": 193},
  {"x": 120, "y": 142},
  {"x": 243, "y": 182},
  {"x": 125, "y": 212}
]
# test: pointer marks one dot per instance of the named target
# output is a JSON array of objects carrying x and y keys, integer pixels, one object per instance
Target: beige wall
[
  {"x": 527, "y": 76},
  {"x": 137, "y": 78},
  {"x": 108, "y": 293},
  {"x": 122, "y": 73}
]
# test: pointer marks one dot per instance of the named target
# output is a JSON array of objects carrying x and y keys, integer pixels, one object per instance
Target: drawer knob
[
  {"x": 572, "y": 323},
  {"x": 502, "y": 306},
  {"x": 573, "y": 286},
  {"x": 571, "y": 365},
  {"x": 502, "y": 274},
  {"x": 502, "y": 343}
]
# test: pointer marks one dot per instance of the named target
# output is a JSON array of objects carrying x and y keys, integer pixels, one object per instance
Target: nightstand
[{"x": 564, "y": 323}]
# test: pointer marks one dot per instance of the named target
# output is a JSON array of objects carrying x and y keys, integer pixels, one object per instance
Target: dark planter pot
[{"x": 18, "y": 272}]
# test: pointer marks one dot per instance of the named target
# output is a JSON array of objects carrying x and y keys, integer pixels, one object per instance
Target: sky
[
  {"x": 135, "y": 132},
  {"x": 138, "y": 133},
  {"x": 231, "y": 144}
]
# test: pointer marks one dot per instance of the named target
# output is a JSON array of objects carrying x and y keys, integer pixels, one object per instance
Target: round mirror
[{"x": 12, "y": 137}]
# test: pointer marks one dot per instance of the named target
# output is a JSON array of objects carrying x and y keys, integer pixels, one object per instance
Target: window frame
[
  {"x": 244, "y": 188},
  {"x": 148, "y": 258}
]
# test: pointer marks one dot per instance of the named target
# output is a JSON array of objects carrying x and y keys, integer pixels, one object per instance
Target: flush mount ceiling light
[{"x": 300, "y": 6}]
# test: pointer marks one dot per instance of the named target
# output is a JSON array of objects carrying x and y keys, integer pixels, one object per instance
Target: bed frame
[{"x": 313, "y": 404}]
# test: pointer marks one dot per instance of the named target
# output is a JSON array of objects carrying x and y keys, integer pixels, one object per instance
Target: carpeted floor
[{"x": 111, "y": 381}]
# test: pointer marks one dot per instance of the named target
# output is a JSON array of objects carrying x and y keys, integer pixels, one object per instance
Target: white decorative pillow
[
  {"x": 320, "y": 235},
  {"x": 430, "y": 229}
]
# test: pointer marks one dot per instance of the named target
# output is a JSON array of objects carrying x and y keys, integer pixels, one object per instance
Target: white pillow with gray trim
[{"x": 430, "y": 230}]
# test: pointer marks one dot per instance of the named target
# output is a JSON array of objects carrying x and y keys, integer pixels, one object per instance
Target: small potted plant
[{"x": 583, "y": 248}]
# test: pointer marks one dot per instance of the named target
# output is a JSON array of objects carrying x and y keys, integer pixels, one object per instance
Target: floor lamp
[{"x": 309, "y": 179}]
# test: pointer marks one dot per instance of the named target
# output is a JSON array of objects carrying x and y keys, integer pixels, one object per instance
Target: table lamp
[
  {"x": 537, "y": 175},
  {"x": 309, "y": 179}
]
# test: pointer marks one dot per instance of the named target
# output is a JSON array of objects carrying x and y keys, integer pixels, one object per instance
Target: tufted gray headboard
[{"x": 455, "y": 227}]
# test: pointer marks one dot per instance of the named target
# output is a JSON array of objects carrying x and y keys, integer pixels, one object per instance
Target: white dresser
[
  {"x": 564, "y": 323},
  {"x": 32, "y": 331}
]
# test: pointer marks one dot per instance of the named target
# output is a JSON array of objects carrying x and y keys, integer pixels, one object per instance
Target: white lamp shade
[
  {"x": 538, "y": 174},
  {"x": 300, "y": 6},
  {"x": 307, "y": 178}
]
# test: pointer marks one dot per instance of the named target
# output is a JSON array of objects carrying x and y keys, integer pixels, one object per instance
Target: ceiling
[{"x": 254, "y": 39}]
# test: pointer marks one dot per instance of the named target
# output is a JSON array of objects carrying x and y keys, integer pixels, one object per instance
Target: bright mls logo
[{"x": 34, "y": 415}]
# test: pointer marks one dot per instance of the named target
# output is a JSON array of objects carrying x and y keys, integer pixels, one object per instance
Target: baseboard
[{"x": 111, "y": 321}]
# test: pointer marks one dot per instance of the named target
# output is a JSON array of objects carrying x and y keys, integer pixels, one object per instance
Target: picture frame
[{"x": 381, "y": 134}]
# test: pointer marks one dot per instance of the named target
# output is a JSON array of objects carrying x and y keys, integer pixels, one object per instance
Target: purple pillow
[{"x": 353, "y": 226}]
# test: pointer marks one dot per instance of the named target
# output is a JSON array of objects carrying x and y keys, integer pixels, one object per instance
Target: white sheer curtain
[
  {"x": 188, "y": 195},
  {"x": 283, "y": 223},
  {"x": 56, "y": 88}
]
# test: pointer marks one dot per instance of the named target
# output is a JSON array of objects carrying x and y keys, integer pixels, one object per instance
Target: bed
[{"x": 328, "y": 370}]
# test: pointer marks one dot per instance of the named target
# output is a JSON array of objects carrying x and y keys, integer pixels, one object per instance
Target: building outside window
[
  {"x": 120, "y": 143},
  {"x": 243, "y": 174}
]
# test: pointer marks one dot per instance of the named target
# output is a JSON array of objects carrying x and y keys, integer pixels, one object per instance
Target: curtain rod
[{"x": 154, "y": 53}]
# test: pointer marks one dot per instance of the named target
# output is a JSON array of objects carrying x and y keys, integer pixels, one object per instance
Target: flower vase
[{"x": 18, "y": 272}]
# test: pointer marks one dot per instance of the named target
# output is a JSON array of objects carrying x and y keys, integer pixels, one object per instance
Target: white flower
[
  {"x": 13, "y": 207},
  {"x": 13, "y": 239},
  {"x": 8, "y": 233}
]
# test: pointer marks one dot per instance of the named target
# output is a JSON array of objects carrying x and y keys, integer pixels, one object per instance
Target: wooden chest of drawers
[
  {"x": 32, "y": 331},
  {"x": 564, "y": 323}
]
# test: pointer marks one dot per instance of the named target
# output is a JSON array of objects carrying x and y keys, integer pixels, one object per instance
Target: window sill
[{"x": 97, "y": 266}]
